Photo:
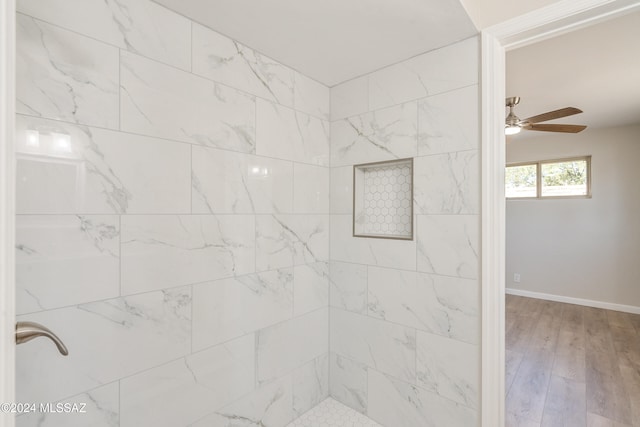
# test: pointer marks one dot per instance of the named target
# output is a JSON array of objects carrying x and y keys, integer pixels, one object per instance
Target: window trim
[{"x": 539, "y": 163}]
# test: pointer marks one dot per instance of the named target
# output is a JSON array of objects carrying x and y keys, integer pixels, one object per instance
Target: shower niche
[{"x": 383, "y": 199}]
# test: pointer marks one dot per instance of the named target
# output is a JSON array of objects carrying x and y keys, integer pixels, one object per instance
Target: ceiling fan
[{"x": 514, "y": 125}]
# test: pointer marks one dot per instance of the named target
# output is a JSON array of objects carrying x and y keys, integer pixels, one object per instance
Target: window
[
  {"x": 521, "y": 181},
  {"x": 549, "y": 178}
]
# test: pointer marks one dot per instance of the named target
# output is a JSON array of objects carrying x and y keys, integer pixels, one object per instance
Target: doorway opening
[{"x": 532, "y": 27}]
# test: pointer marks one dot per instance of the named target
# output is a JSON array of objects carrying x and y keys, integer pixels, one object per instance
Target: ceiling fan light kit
[
  {"x": 514, "y": 125},
  {"x": 512, "y": 129}
]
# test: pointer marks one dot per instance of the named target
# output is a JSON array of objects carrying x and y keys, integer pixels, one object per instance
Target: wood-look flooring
[{"x": 571, "y": 366}]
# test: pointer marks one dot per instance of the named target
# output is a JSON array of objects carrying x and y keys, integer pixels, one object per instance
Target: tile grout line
[
  {"x": 366, "y": 314},
  {"x": 165, "y": 139},
  {"x": 119, "y": 402},
  {"x": 191, "y": 181},
  {"x": 211, "y": 282},
  {"x": 119, "y": 90},
  {"x": 192, "y": 289},
  {"x": 191, "y": 46},
  {"x": 330, "y": 260},
  {"x": 119, "y": 256},
  {"x": 408, "y": 101}
]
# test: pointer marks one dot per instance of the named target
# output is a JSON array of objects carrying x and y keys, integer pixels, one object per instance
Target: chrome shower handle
[{"x": 26, "y": 331}]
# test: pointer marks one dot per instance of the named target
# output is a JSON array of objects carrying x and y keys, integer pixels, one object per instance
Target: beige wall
[{"x": 580, "y": 248}]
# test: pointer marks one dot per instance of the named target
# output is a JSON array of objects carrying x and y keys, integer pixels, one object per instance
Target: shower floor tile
[{"x": 331, "y": 413}]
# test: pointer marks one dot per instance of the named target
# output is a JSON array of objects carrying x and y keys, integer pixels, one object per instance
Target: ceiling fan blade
[
  {"x": 551, "y": 115},
  {"x": 556, "y": 128}
]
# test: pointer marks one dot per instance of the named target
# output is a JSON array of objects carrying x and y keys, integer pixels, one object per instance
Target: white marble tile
[
  {"x": 64, "y": 168},
  {"x": 385, "y": 346},
  {"x": 449, "y": 368},
  {"x": 287, "y": 240},
  {"x": 364, "y": 250},
  {"x": 107, "y": 340},
  {"x": 251, "y": 184},
  {"x": 135, "y": 25},
  {"x": 283, "y": 347},
  {"x": 350, "y": 98},
  {"x": 161, "y": 251},
  {"x": 311, "y": 287},
  {"x": 447, "y": 183},
  {"x": 434, "y": 72},
  {"x": 448, "y": 306},
  {"x": 449, "y": 122},
  {"x": 449, "y": 245},
  {"x": 311, "y": 97},
  {"x": 65, "y": 76},
  {"x": 348, "y": 286},
  {"x": 391, "y": 294},
  {"x": 380, "y": 135},
  {"x": 396, "y": 403},
  {"x": 348, "y": 382},
  {"x": 229, "y": 308},
  {"x": 310, "y": 189},
  {"x": 159, "y": 100},
  {"x": 185, "y": 390},
  {"x": 288, "y": 134},
  {"x": 65, "y": 260},
  {"x": 310, "y": 384},
  {"x": 224, "y": 60},
  {"x": 269, "y": 406},
  {"x": 342, "y": 190},
  {"x": 100, "y": 409}
]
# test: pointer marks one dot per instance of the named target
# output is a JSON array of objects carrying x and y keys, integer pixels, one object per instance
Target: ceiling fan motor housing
[{"x": 512, "y": 119}]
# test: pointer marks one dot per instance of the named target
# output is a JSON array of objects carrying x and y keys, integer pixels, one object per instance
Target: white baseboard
[{"x": 578, "y": 301}]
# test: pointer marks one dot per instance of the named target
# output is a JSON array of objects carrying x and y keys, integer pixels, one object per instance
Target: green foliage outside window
[
  {"x": 565, "y": 173},
  {"x": 521, "y": 176}
]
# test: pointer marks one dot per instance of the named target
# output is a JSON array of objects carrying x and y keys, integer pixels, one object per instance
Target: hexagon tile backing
[
  {"x": 384, "y": 199},
  {"x": 331, "y": 413}
]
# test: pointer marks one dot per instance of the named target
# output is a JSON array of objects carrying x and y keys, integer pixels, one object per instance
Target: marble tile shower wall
[
  {"x": 405, "y": 315},
  {"x": 173, "y": 221}
]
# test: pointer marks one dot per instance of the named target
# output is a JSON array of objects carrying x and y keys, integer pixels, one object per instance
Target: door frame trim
[
  {"x": 7, "y": 207},
  {"x": 550, "y": 21}
]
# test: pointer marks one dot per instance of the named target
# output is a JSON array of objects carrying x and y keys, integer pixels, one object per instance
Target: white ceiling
[
  {"x": 485, "y": 13},
  {"x": 596, "y": 69},
  {"x": 333, "y": 40}
]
